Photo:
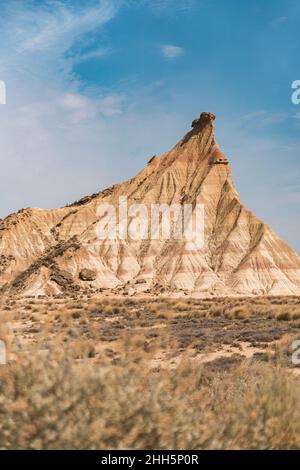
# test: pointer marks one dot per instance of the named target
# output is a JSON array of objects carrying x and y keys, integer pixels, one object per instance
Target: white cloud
[
  {"x": 279, "y": 20},
  {"x": 108, "y": 105},
  {"x": 171, "y": 52},
  {"x": 45, "y": 39},
  {"x": 160, "y": 6},
  {"x": 90, "y": 55},
  {"x": 264, "y": 118},
  {"x": 56, "y": 24},
  {"x": 74, "y": 101}
]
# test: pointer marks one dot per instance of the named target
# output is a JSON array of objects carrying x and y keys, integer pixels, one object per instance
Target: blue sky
[{"x": 95, "y": 88}]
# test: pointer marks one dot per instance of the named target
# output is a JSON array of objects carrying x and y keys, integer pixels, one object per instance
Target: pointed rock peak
[
  {"x": 203, "y": 125},
  {"x": 203, "y": 120}
]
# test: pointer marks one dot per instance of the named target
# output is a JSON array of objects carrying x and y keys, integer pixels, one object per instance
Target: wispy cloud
[
  {"x": 177, "y": 6},
  {"x": 81, "y": 107},
  {"x": 169, "y": 51},
  {"x": 55, "y": 24},
  {"x": 279, "y": 20},
  {"x": 264, "y": 118},
  {"x": 49, "y": 37},
  {"x": 90, "y": 55}
]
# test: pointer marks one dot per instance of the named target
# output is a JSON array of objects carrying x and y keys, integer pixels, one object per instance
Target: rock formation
[{"x": 56, "y": 251}]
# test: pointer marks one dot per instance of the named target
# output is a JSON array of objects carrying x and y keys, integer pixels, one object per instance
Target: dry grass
[
  {"x": 50, "y": 401},
  {"x": 156, "y": 374}
]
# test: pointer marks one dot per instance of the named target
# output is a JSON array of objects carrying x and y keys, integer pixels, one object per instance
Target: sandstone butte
[{"x": 49, "y": 252}]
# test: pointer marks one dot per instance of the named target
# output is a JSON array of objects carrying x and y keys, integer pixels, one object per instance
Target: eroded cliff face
[{"x": 54, "y": 251}]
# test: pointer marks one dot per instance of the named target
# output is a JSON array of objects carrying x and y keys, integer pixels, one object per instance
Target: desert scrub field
[{"x": 149, "y": 373}]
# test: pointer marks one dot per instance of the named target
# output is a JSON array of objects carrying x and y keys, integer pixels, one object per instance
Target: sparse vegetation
[{"x": 139, "y": 373}]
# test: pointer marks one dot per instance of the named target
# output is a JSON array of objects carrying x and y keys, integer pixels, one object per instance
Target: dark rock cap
[{"x": 203, "y": 119}]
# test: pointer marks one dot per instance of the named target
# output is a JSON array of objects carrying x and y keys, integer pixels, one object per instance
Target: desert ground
[{"x": 91, "y": 371}]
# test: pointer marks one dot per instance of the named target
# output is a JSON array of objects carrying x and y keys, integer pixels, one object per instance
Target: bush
[{"x": 50, "y": 401}]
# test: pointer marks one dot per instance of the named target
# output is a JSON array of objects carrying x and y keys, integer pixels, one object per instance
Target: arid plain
[{"x": 109, "y": 372}]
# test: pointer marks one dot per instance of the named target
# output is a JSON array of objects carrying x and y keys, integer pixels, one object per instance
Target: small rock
[{"x": 87, "y": 275}]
